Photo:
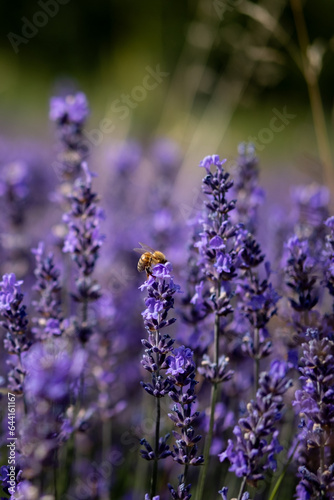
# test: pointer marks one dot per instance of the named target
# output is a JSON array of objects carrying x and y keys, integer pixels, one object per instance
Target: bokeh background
[{"x": 229, "y": 65}]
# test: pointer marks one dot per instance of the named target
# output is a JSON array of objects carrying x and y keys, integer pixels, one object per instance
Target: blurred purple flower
[
  {"x": 10, "y": 291},
  {"x": 48, "y": 306},
  {"x": 73, "y": 108},
  {"x": 246, "y": 189},
  {"x": 52, "y": 371}
]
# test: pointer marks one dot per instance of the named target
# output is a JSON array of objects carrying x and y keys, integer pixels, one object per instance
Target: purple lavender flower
[
  {"x": 72, "y": 108},
  {"x": 256, "y": 435},
  {"x": 160, "y": 291},
  {"x": 70, "y": 114},
  {"x": 14, "y": 191},
  {"x": 310, "y": 209},
  {"x": 182, "y": 492},
  {"x": 246, "y": 189},
  {"x": 14, "y": 321},
  {"x": 301, "y": 276},
  {"x": 52, "y": 371},
  {"x": 257, "y": 299},
  {"x": 180, "y": 362},
  {"x": 215, "y": 271},
  {"x": 49, "y": 304},
  {"x": 216, "y": 372},
  {"x": 328, "y": 254},
  {"x": 10, "y": 291},
  {"x": 315, "y": 403},
  {"x": 160, "y": 288},
  {"x": 181, "y": 372},
  {"x": 83, "y": 242},
  {"x": 216, "y": 258},
  {"x": 223, "y": 493},
  {"x": 6, "y": 480}
]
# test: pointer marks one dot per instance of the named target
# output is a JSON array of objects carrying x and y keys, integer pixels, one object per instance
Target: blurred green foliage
[{"x": 221, "y": 61}]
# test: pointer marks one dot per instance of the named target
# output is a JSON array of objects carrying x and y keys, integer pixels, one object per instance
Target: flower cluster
[
  {"x": 83, "y": 242},
  {"x": 160, "y": 288},
  {"x": 48, "y": 286},
  {"x": 70, "y": 114},
  {"x": 246, "y": 190},
  {"x": 315, "y": 403},
  {"x": 14, "y": 321},
  {"x": 14, "y": 191},
  {"x": 256, "y": 434},
  {"x": 181, "y": 373},
  {"x": 217, "y": 257},
  {"x": 257, "y": 297},
  {"x": 310, "y": 210},
  {"x": 329, "y": 257}
]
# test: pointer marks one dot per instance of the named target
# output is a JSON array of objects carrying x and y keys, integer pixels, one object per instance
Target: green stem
[
  {"x": 156, "y": 451},
  {"x": 208, "y": 441},
  {"x": 82, "y": 376},
  {"x": 214, "y": 393},
  {"x": 186, "y": 467},
  {"x": 25, "y": 405},
  {"x": 55, "y": 474},
  {"x": 70, "y": 457},
  {"x": 106, "y": 442},
  {"x": 157, "y": 430},
  {"x": 242, "y": 487},
  {"x": 281, "y": 477},
  {"x": 256, "y": 360}
]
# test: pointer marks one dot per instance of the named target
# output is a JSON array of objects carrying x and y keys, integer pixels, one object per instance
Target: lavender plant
[
  {"x": 256, "y": 445},
  {"x": 315, "y": 404},
  {"x": 74, "y": 372},
  {"x": 83, "y": 242},
  {"x": 15, "y": 322},
  {"x": 257, "y": 301},
  {"x": 160, "y": 288},
  {"x": 70, "y": 113},
  {"x": 246, "y": 189},
  {"x": 216, "y": 265},
  {"x": 49, "y": 319},
  {"x": 181, "y": 373}
]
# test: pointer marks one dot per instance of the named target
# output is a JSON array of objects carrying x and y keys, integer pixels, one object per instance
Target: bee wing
[{"x": 144, "y": 248}]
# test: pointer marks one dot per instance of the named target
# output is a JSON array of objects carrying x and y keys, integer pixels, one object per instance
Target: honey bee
[{"x": 149, "y": 258}]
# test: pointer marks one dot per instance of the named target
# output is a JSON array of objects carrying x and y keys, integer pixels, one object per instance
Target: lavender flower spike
[
  {"x": 70, "y": 114},
  {"x": 217, "y": 262},
  {"x": 14, "y": 321},
  {"x": 315, "y": 402},
  {"x": 160, "y": 288},
  {"x": 223, "y": 493},
  {"x": 256, "y": 434},
  {"x": 83, "y": 242},
  {"x": 181, "y": 372},
  {"x": 48, "y": 306}
]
